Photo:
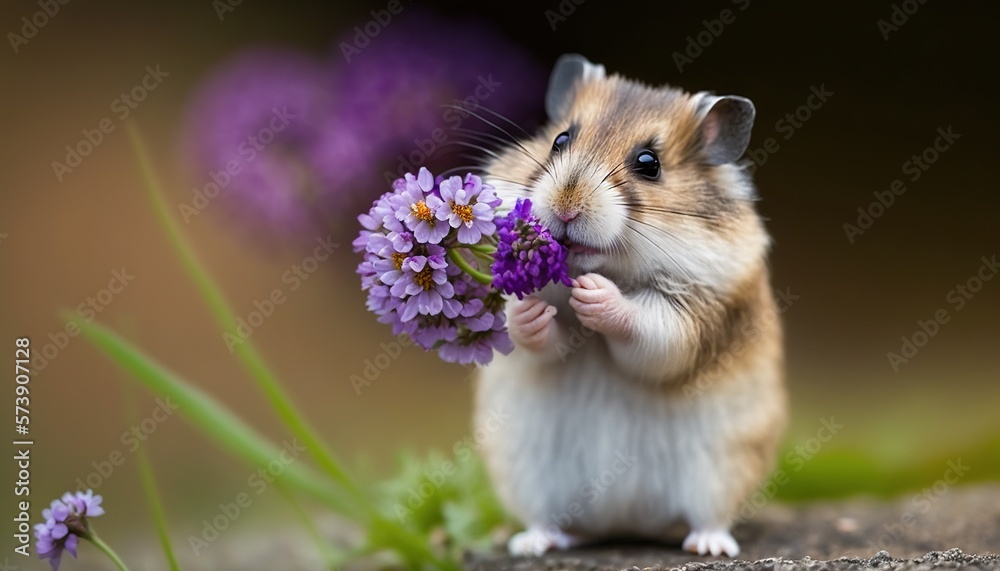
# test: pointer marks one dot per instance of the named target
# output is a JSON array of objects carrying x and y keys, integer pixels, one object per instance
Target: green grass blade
[
  {"x": 214, "y": 419},
  {"x": 156, "y": 507},
  {"x": 335, "y": 559},
  {"x": 224, "y": 316}
]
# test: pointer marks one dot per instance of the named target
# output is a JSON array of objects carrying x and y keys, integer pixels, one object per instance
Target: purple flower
[
  {"x": 468, "y": 206},
  {"x": 426, "y": 276},
  {"x": 527, "y": 256},
  {"x": 419, "y": 206},
  {"x": 409, "y": 268},
  {"x": 478, "y": 347},
  {"x": 265, "y": 140},
  {"x": 400, "y": 83},
  {"x": 426, "y": 287},
  {"x": 65, "y": 523}
]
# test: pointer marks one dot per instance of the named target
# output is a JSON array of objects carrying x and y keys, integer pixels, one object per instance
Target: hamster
[{"x": 650, "y": 392}]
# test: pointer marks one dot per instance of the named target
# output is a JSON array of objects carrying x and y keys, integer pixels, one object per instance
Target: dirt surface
[
  {"x": 927, "y": 530},
  {"x": 957, "y": 528}
]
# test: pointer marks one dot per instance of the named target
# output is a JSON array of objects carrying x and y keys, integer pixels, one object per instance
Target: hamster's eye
[
  {"x": 562, "y": 139},
  {"x": 646, "y": 164}
]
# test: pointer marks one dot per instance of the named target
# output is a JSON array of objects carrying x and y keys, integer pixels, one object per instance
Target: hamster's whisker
[
  {"x": 513, "y": 139},
  {"x": 606, "y": 177},
  {"x": 481, "y": 164},
  {"x": 651, "y": 208},
  {"x": 684, "y": 271},
  {"x": 504, "y": 118},
  {"x": 486, "y": 150},
  {"x": 501, "y": 142},
  {"x": 481, "y": 136},
  {"x": 613, "y": 171},
  {"x": 482, "y": 170},
  {"x": 466, "y": 168}
]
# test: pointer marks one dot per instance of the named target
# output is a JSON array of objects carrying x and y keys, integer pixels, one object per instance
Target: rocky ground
[
  {"x": 957, "y": 528},
  {"x": 947, "y": 528}
]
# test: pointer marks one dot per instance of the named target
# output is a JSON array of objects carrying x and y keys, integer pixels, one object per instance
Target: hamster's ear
[
  {"x": 725, "y": 128},
  {"x": 568, "y": 71}
]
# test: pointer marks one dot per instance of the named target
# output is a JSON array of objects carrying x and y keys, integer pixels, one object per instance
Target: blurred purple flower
[
  {"x": 65, "y": 523},
  {"x": 263, "y": 128},
  {"x": 399, "y": 84},
  {"x": 293, "y": 142}
]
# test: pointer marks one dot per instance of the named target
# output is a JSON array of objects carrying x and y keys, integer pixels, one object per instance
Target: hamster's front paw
[
  {"x": 714, "y": 541},
  {"x": 600, "y": 305},
  {"x": 531, "y": 323}
]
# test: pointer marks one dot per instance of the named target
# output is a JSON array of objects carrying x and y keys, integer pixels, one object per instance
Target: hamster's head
[{"x": 639, "y": 182}]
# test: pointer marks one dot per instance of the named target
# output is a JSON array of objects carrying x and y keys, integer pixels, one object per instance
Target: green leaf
[
  {"x": 214, "y": 419},
  {"x": 226, "y": 320},
  {"x": 438, "y": 493}
]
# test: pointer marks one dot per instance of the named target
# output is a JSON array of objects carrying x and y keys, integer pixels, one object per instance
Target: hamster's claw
[
  {"x": 714, "y": 541},
  {"x": 535, "y": 541}
]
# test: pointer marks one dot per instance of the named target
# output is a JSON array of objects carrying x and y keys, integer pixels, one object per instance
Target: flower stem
[
  {"x": 484, "y": 248},
  {"x": 98, "y": 543},
  {"x": 461, "y": 262},
  {"x": 263, "y": 376}
]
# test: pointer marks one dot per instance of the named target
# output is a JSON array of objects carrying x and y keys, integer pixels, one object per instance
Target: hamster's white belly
[{"x": 600, "y": 455}]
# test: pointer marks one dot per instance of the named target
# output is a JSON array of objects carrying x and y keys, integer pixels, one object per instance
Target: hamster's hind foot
[
  {"x": 535, "y": 541},
  {"x": 715, "y": 541}
]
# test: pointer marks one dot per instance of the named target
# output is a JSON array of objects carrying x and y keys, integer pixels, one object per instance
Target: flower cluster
[
  {"x": 420, "y": 242},
  {"x": 65, "y": 523},
  {"x": 287, "y": 139},
  {"x": 527, "y": 256}
]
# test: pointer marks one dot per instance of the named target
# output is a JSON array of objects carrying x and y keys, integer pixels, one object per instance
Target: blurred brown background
[{"x": 63, "y": 239}]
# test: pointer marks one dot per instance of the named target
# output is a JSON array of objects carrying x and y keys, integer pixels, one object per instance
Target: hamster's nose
[{"x": 568, "y": 215}]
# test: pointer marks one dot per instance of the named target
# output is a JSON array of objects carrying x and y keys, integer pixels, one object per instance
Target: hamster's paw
[
  {"x": 530, "y": 325},
  {"x": 535, "y": 541},
  {"x": 714, "y": 541},
  {"x": 600, "y": 305}
]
